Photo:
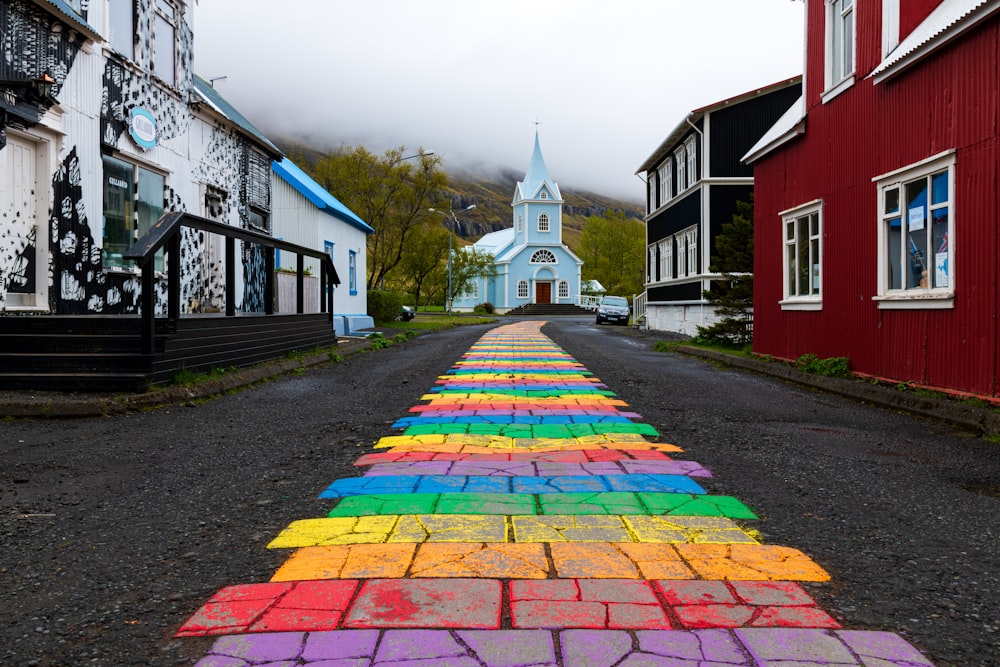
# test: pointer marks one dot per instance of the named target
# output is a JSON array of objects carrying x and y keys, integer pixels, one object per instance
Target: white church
[{"x": 531, "y": 263}]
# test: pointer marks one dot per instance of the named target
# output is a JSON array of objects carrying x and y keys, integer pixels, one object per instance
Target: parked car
[
  {"x": 613, "y": 309},
  {"x": 406, "y": 314}
]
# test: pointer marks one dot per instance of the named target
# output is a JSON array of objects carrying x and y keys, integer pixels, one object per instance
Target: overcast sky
[{"x": 607, "y": 79}]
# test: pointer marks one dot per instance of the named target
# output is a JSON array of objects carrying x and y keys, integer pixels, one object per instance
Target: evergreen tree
[{"x": 732, "y": 295}]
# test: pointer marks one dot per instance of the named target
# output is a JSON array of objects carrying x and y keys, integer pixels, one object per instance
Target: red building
[{"x": 877, "y": 214}]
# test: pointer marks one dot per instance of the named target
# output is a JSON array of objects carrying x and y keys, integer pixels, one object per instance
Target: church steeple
[{"x": 537, "y": 183}]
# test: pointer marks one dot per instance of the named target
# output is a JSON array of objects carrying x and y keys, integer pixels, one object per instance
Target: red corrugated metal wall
[{"x": 947, "y": 102}]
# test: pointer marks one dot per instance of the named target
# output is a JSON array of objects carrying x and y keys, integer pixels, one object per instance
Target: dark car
[{"x": 613, "y": 309}]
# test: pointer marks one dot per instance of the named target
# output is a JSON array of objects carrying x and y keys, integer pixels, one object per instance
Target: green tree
[
  {"x": 423, "y": 260},
  {"x": 390, "y": 193},
  {"x": 613, "y": 248},
  {"x": 466, "y": 265},
  {"x": 732, "y": 295}
]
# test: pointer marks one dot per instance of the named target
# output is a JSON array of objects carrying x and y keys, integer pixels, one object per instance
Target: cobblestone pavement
[{"x": 524, "y": 519}]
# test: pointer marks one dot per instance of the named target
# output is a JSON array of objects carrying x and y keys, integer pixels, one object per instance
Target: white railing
[
  {"x": 639, "y": 310},
  {"x": 587, "y": 301}
]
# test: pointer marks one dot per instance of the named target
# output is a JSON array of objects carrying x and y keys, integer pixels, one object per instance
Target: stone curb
[
  {"x": 58, "y": 407},
  {"x": 983, "y": 421}
]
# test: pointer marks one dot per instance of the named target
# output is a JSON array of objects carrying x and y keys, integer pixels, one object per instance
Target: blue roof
[
  {"x": 210, "y": 95},
  {"x": 65, "y": 10},
  {"x": 312, "y": 191}
]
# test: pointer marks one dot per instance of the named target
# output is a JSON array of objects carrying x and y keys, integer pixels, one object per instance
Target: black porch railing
[{"x": 166, "y": 235}]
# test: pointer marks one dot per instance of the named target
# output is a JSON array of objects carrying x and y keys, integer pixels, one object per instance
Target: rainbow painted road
[{"x": 525, "y": 519}]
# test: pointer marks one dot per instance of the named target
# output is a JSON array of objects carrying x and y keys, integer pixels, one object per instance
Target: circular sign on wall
[{"x": 142, "y": 127}]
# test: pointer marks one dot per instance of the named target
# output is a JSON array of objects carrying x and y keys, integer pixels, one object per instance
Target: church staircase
[{"x": 550, "y": 310}]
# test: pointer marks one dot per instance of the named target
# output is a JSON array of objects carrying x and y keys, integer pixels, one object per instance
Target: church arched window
[
  {"x": 543, "y": 222},
  {"x": 522, "y": 289},
  {"x": 543, "y": 257},
  {"x": 563, "y": 289}
]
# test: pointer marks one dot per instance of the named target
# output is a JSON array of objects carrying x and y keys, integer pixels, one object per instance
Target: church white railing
[{"x": 588, "y": 301}]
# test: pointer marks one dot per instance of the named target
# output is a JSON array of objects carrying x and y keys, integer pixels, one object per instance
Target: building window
[
  {"x": 543, "y": 195},
  {"x": 691, "y": 148},
  {"x": 917, "y": 230},
  {"x": 691, "y": 239},
  {"x": 802, "y": 265},
  {"x": 650, "y": 262},
  {"x": 687, "y": 252},
  {"x": 651, "y": 193},
  {"x": 680, "y": 158},
  {"x": 563, "y": 289},
  {"x": 543, "y": 257},
  {"x": 121, "y": 22},
  {"x": 165, "y": 41},
  {"x": 839, "y": 41},
  {"x": 133, "y": 202},
  {"x": 666, "y": 181},
  {"x": 352, "y": 271},
  {"x": 519, "y": 221},
  {"x": 543, "y": 222},
  {"x": 667, "y": 258},
  {"x": 328, "y": 249},
  {"x": 522, "y": 289}
]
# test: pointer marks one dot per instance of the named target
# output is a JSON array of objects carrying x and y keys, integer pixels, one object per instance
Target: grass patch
[{"x": 835, "y": 367}]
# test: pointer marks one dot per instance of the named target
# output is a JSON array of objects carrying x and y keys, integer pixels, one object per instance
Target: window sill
[
  {"x": 798, "y": 304},
  {"x": 837, "y": 89},
  {"x": 942, "y": 300}
]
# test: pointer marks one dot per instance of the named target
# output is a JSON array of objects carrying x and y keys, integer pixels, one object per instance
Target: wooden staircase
[{"x": 103, "y": 353}]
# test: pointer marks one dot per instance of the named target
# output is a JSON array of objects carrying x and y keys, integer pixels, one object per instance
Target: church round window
[{"x": 543, "y": 257}]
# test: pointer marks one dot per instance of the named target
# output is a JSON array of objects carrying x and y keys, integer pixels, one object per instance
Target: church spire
[{"x": 537, "y": 176}]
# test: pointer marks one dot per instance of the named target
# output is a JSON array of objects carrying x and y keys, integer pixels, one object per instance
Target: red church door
[{"x": 543, "y": 292}]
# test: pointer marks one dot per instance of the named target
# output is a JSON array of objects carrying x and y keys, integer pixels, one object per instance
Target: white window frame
[
  {"x": 165, "y": 13},
  {"x": 563, "y": 289},
  {"x": 666, "y": 181},
  {"x": 935, "y": 295},
  {"x": 543, "y": 195},
  {"x": 691, "y": 148},
  {"x": 522, "y": 289},
  {"x": 543, "y": 222},
  {"x": 474, "y": 289},
  {"x": 666, "y": 258},
  {"x": 542, "y": 257},
  {"x": 122, "y": 42},
  {"x": 793, "y": 243},
  {"x": 520, "y": 221},
  {"x": 841, "y": 47},
  {"x": 651, "y": 262},
  {"x": 680, "y": 158},
  {"x": 691, "y": 237},
  {"x": 681, "y": 255}
]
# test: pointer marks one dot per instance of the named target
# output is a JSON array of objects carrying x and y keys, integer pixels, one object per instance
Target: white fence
[{"x": 587, "y": 301}]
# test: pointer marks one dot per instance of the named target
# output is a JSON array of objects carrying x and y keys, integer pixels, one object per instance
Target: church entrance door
[{"x": 543, "y": 292}]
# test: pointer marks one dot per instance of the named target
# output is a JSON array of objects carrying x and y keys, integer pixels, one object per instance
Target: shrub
[
  {"x": 485, "y": 307},
  {"x": 829, "y": 367},
  {"x": 384, "y": 306}
]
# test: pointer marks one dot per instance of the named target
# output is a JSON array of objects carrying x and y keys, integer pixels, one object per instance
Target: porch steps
[
  {"x": 104, "y": 353},
  {"x": 550, "y": 310}
]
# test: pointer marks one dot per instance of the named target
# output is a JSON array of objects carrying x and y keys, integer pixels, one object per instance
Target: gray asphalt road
[
  {"x": 115, "y": 530},
  {"x": 903, "y": 513}
]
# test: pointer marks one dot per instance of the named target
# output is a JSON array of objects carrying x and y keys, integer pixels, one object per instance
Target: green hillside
[{"x": 492, "y": 194}]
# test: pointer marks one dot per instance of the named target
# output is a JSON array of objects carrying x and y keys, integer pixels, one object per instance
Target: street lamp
[{"x": 454, "y": 218}]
